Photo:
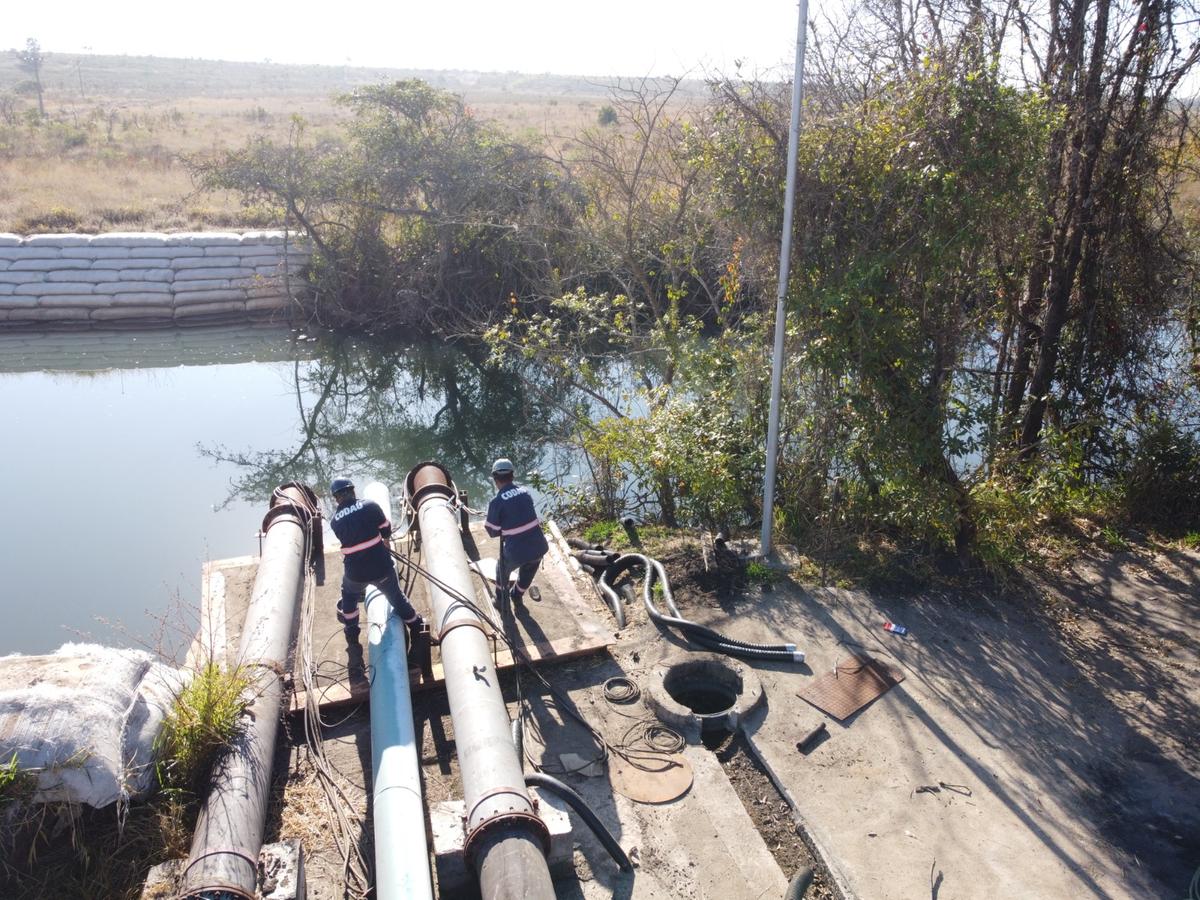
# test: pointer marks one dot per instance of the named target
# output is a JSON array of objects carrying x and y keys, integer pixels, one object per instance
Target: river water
[{"x": 130, "y": 459}]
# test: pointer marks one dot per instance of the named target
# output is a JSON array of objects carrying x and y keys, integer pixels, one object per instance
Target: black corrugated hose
[
  {"x": 700, "y": 634},
  {"x": 799, "y": 884}
]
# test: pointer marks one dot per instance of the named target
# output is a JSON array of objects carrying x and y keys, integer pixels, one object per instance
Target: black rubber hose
[
  {"x": 743, "y": 652},
  {"x": 613, "y": 598},
  {"x": 597, "y": 559},
  {"x": 577, "y": 803},
  {"x": 699, "y": 634},
  {"x": 577, "y": 544},
  {"x": 799, "y": 884},
  {"x": 669, "y": 599}
]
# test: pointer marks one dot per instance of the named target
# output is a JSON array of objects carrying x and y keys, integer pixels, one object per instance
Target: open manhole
[{"x": 703, "y": 692}]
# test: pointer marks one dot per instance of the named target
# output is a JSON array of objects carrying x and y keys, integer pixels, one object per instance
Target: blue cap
[{"x": 340, "y": 484}]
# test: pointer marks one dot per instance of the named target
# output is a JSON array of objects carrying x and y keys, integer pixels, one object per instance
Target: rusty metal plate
[
  {"x": 857, "y": 681},
  {"x": 657, "y": 783}
]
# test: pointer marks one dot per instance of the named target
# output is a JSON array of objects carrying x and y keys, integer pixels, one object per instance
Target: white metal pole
[{"x": 785, "y": 255}]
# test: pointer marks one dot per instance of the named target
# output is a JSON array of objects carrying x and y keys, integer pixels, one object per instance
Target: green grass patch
[
  {"x": 602, "y": 532},
  {"x": 758, "y": 572},
  {"x": 206, "y": 717}
]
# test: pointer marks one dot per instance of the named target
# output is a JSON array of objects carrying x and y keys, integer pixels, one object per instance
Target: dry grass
[
  {"x": 303, "y": 811},
  {"x": 111, "y": 155}
]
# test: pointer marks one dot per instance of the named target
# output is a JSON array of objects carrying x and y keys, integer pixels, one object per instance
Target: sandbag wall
[{"x": 81, "y": 280}]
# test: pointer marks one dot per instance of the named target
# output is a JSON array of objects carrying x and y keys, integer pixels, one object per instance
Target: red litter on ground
[{"x": 894, "y": 628}]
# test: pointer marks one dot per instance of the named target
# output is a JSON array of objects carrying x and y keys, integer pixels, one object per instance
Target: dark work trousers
[
  {"x": 389, "y": 586},
  {"x": 524, "y": 576}
]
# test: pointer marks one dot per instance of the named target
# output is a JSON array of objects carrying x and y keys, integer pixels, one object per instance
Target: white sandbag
[{"x": 85, "y": 718}]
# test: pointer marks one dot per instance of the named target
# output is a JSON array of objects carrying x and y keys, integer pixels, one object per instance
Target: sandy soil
[{"x": 1068, "y": 708}]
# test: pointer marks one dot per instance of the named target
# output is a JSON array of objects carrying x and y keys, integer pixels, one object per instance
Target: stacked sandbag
[
  {"x": 134, "y": 278},
  {"x": 84, "y": 719}
]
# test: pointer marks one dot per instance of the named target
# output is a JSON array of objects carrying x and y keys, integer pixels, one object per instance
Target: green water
[{"x": 130, "y": 459}]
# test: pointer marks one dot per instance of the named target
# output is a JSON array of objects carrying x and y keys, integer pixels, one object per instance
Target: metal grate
[{"x": 855, "y": 682}]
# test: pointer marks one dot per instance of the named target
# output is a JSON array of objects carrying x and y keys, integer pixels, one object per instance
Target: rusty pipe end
[
  {"x": 292, "y": 500},
  {"x": 428, "y": 478}
]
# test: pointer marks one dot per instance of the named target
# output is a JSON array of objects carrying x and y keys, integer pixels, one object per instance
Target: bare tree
[{"x": 30, "y": 61}]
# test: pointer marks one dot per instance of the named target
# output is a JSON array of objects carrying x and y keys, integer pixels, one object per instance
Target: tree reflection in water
[{"x": 375, "y": 409}]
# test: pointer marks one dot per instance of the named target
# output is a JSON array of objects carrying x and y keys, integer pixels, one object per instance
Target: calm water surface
[{"x": 131, "y": 459}]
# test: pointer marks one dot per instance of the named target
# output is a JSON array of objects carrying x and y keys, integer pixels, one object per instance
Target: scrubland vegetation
[
  {"x": 111, "y": 151},
  {"x": 991, "y": 351}
]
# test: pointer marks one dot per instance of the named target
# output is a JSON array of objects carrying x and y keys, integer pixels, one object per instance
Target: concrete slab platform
[{"x": 992, "y": 715}]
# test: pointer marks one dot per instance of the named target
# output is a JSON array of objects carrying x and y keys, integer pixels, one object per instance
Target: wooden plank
[{"x": 346, "y": 693}]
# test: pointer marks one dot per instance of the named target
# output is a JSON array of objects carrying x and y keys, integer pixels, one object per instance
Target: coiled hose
[
  {"x": 700, "y": 634},
  {"x": 577, "y": 803},
  {"x": 611, "y": 595}
]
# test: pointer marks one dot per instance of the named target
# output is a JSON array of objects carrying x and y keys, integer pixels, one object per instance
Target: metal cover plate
[
  {"x": 855, "y": 682},
  {"x": 656, "y": 784}
]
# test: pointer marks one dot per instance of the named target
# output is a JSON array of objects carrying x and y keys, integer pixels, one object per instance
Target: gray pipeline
[
  {"x": 224, "y": 857},
  {"x": 506, "y": 840}
]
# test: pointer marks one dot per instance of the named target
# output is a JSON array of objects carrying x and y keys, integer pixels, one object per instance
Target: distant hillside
[{"x": 78, "y": 76}]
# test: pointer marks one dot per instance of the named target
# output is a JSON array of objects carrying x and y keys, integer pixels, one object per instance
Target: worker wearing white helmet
[{"x": 512, "y": 518}]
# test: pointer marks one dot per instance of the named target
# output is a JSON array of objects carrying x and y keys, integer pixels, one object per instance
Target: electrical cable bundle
[{"x": 346, "y": 824}]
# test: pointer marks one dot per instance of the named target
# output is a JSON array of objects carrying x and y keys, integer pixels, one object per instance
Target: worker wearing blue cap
[
  {"x": 363, "y": 527},
  {"x": 512, "y": 518}
]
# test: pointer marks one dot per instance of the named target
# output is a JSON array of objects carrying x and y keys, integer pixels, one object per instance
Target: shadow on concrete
[{"x": 1046, "y": 694}]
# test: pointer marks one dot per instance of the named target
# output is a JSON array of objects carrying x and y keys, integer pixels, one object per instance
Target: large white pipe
[{"x": 401, "y": 854}]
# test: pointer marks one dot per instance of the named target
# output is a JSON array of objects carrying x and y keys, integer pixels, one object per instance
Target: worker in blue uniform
[
  {"x": 362, "y": 528},
  {"x": 512, "y": 518}
]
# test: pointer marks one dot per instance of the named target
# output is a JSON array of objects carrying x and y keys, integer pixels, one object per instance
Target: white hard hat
[{"x": 502, "y": 466}]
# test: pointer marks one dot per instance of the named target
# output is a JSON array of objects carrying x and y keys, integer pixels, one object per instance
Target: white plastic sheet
[{"x": 85, "y": 718}]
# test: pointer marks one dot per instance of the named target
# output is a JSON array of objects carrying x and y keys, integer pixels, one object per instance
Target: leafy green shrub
[
  {"x": 1021, "y": 509},
  {"x": 1162, "y": 478}
]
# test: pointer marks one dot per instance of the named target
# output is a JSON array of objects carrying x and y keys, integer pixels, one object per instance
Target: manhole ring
[{"x": 703, "y": 692}]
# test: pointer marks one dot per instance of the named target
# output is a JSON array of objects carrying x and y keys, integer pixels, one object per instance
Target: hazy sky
[{"x": 614, "y": 37}]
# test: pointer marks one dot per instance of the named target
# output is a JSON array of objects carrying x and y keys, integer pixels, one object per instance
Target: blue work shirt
[
  {"x": 512, "y": 518},
  {"x": 361, "y": 526}
]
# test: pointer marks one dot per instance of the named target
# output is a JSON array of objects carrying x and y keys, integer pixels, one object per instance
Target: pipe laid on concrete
[
  {"x": 398, "y": 811},
  {"x": 223, "y": 862},
  {"x": 507, "y": 841}
]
